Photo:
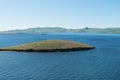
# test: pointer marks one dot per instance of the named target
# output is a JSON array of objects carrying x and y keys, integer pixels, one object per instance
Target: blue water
[{"x": 102, "y": 63}]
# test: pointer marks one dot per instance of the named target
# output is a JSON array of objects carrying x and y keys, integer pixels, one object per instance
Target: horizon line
[{"x": 57, "y": 27}]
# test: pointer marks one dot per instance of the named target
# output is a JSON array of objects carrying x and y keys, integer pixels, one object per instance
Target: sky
[{"x": 22, "y": 14}]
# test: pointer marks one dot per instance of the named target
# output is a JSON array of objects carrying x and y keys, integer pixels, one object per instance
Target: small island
[{"x": 49, "y": 46}]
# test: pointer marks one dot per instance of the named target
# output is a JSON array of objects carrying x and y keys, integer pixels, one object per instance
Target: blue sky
[{"x": 20, "y": 14}]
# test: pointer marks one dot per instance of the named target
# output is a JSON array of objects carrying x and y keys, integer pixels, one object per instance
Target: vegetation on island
[{"x": 49, "y": 46}]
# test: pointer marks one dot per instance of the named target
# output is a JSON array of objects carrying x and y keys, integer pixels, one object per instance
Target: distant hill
[{"x": 63, "y": 30}]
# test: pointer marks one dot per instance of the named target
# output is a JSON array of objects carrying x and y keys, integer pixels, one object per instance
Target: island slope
[{"x": 49, "y": 46}]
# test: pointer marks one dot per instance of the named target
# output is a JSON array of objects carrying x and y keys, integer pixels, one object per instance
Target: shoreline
[{"x": 48, "y": 50}]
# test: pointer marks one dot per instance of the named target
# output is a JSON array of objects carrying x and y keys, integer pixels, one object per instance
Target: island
[{"x": 49, "y": 46}]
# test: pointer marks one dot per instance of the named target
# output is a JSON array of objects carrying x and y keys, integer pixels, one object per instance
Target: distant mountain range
[{"x": 46, "y": 30}]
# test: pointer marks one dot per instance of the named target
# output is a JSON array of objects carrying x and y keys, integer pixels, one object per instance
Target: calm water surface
[{"x": 103, "y": 63}]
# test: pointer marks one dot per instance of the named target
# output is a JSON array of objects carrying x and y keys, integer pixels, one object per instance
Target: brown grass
[{"x": 49, "y": 45}]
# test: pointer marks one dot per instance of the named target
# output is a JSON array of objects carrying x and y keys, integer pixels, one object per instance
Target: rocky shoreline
[{"x": 52, "y": 50}]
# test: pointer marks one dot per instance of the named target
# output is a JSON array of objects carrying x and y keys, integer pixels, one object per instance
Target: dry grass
[{"x": 50, "y": 45}]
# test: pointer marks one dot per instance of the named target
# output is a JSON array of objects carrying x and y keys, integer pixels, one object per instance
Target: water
[{"x": 103, "y": 63}]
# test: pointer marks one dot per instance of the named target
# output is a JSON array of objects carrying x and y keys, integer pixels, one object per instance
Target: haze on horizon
[{"x": 21, "y": 14}]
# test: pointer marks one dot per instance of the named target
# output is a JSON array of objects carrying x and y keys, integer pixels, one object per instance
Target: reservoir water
[{"x": 102, "y": 63}]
